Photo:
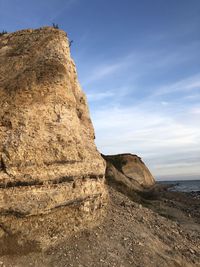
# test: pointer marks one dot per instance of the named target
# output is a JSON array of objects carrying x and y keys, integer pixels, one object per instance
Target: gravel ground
[{"x": 161, "y": 229}]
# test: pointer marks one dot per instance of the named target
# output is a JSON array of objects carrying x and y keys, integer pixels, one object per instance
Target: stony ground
[{"x": 153, "y": 230}]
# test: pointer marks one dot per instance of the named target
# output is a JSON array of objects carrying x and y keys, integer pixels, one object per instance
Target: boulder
[{"x": 48, "y": 158}]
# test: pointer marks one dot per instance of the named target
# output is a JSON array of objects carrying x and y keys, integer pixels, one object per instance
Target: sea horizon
[
  {"x": 177, "y": 178},
  {"x": 183, "y": 185}
]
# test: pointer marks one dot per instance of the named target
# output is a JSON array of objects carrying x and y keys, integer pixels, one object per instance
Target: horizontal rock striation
[{"x": 48, "y": 158}]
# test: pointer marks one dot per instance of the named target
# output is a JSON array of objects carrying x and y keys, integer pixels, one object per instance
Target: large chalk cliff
[{"x": 48, "y": 158}]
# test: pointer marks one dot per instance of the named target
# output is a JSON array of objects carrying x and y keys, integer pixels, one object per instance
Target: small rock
[
  {"x": 1, "y": 235},
  {"x": 192, "y": 251},
  {"x": 123, "y": 204}
]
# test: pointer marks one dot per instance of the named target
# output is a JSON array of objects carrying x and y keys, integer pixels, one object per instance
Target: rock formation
[
  {"x": 128, "y": 170},
  {"x": 48, "y": 158}
]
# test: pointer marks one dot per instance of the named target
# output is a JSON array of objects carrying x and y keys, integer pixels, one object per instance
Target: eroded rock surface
[
  {"x": 48, "y": 158},
  {"x": 128, "y": 170}
]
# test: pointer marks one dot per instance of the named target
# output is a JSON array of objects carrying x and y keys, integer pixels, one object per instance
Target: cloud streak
[
  {"x": 186, "y": 85},
  {"x": 93, "y": 97},
  {"x": 142, "y": 130},
  {"x": 103, "y": 71},
  {"x": 161, "y": 125}
]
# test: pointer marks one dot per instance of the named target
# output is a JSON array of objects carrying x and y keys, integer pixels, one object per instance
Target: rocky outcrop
[
  {"x": 48, "y": 158},
  {"x": 128, "y": 170}
]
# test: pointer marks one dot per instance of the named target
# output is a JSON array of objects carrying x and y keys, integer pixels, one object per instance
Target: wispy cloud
[
  {"x": 155, "y": 127},
  {"x": 195, "y": 110},
  {"x": 142, "y": 130},
  {"x": 103, "y": 71},
  {"x": 93, "y": 97},
  {"x": 146, "y": 102},
  {"x": 185, "y": 85},
  {"x": 138, "y": 64}
]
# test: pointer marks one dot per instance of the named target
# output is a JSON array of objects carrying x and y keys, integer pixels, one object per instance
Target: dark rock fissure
[
  {"x": 2, "y": 165},
  {"x": 19, "y": 183},
  {"x": 58, "y": 162},
  {"x": 63, "y": 179},
  {"x": 72, "y": 203},
  {"x": 61, "y": 162}
]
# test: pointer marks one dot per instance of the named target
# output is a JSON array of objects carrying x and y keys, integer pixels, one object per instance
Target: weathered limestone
[
  {"x": 48, "y": 158},
  {"x": 129, "y": 170}
]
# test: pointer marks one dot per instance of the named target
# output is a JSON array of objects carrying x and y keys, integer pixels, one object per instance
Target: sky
[{"x": 138, "y": 62}]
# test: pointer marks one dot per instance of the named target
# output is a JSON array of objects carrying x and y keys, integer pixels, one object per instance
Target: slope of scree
[
  {"x": 49, "y": 165},
  {"x": 130, "y": 236}
]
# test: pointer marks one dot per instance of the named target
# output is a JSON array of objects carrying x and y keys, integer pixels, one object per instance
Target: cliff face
[
  {"x": 128, "y": 170},
  {"x": 48, "y": 158}
]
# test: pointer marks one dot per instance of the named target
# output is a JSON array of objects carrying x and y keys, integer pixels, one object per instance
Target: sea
[{"x": 184, "y": 186}]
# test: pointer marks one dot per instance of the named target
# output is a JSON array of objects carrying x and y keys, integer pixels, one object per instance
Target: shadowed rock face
[
  {"x": 48, "y": 158},
  {"x": 128, "y": 170}
]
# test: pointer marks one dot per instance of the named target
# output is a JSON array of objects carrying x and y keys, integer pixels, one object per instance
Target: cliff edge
[{"x": 129, "y": 171}]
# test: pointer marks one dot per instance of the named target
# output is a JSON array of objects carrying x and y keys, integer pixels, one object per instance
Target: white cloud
[
  {"x": 102, "y": 72},
  {"x": 156, "y": 126},
  {"x": 152, "y": 135},
  {"x": 164, "y": 103},
  {"x": 186, "y": 85},
  {"x": 195, "y": 111}
]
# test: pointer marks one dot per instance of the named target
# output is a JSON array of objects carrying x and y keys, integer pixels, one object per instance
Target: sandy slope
[{"x": 131, "y": 235}]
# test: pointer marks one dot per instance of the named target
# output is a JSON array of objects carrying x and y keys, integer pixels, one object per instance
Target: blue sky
[{"x": 139, "y": 65}]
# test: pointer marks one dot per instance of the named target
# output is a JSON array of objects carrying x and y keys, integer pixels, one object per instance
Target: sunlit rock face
[
  {"x": 48, "y": 158},
  {"x": 128, "y": 170}
]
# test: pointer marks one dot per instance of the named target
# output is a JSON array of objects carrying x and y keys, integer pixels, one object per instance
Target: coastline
[{"x": 182, "y": 207}]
